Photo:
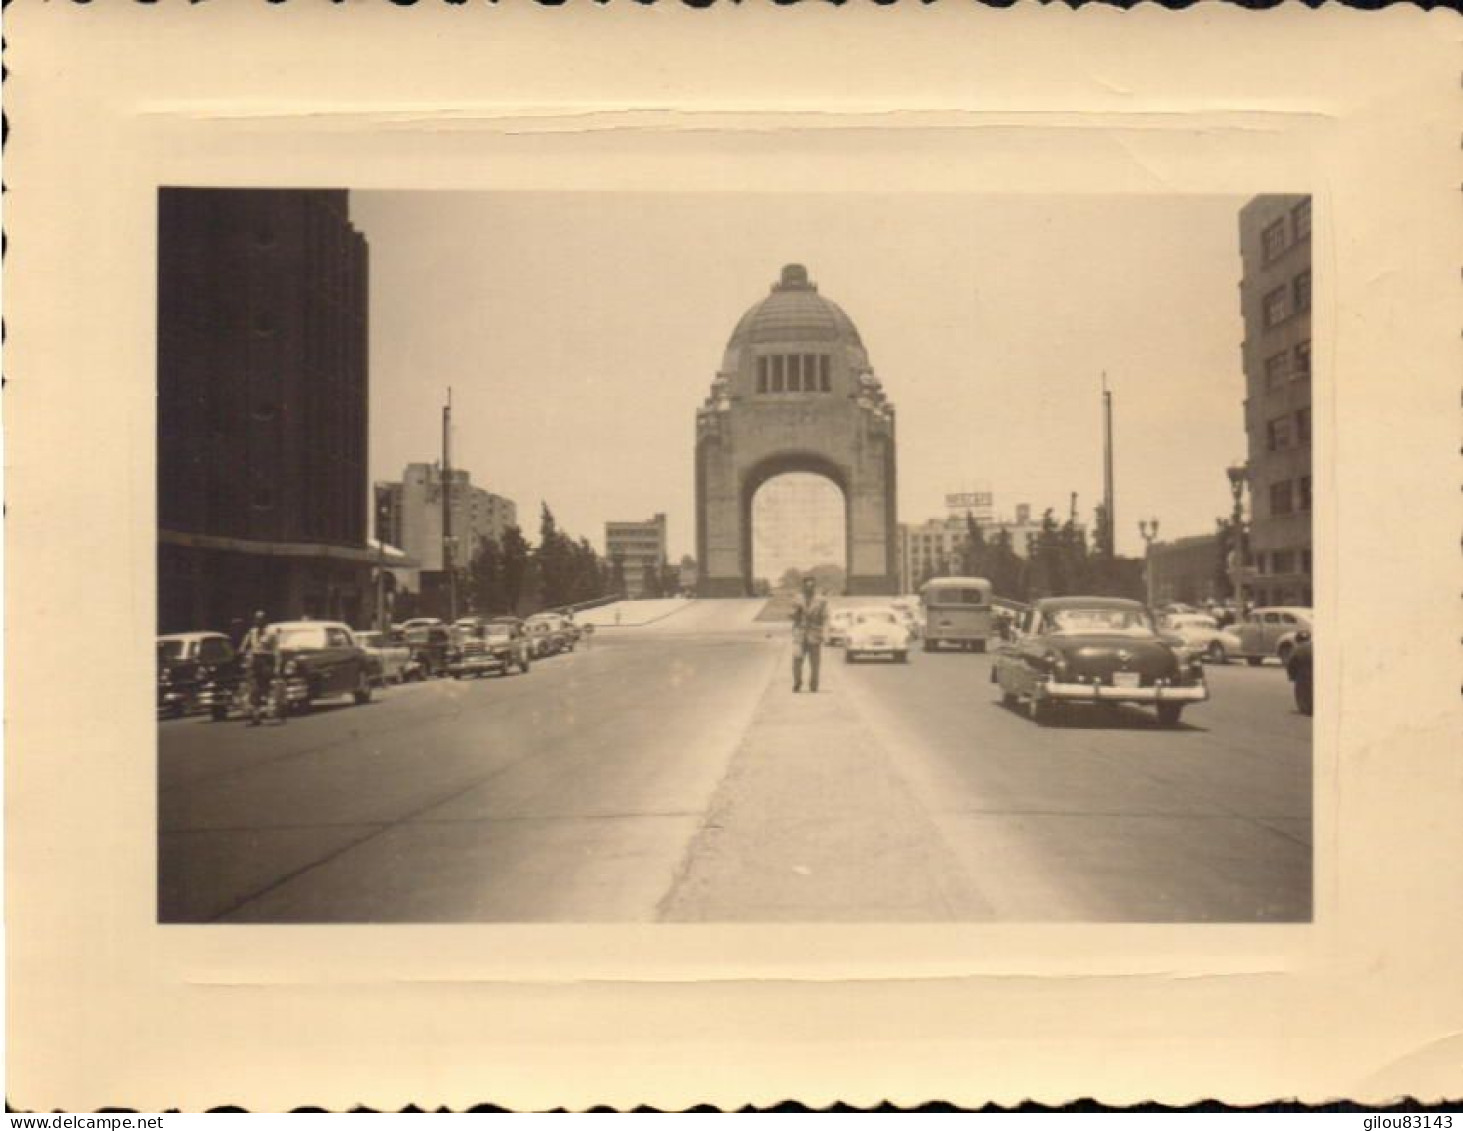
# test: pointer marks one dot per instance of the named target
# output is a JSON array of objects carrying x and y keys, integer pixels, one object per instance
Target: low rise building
[
  {"x": 409, "y": 516},
  {"x": 936, "y": 547}
]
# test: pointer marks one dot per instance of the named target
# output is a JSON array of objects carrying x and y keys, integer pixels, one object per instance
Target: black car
[
  {"x": 195, "y": 671},
  {"x": 1299, "y": 668},
  {"x": 1098, "y": 651}
]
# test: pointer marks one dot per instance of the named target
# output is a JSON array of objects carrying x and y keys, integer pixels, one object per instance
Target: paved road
[{"x": 668, "y": 774}]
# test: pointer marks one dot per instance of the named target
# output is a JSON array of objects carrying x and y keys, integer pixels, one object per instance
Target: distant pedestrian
[{"x": 809, "y": 617}]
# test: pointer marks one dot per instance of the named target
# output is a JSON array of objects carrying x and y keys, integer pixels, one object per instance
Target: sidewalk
[{"x": 814, "y": 823}]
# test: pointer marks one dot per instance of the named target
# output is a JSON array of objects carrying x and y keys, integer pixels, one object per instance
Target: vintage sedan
[
  {"x": 390, "y": 651},
  {"x": 877, "y": 632},
  {"x": 550, "y": 634},
  {"x": 195, "y": 670},
  {"x": 1096, "y": 650},
  {"x": 322, "y": 659},
  {"x": 835, "y": 634},
  {"x": 1202, "y": 633},
  {"x": 1271, "y": 632},
  {"x": 495, "y": 647}
]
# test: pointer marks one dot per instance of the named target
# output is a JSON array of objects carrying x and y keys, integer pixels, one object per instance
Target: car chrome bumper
[
  {"x": 1105, "y": 693},
  {"x": 478, "y": 664}
]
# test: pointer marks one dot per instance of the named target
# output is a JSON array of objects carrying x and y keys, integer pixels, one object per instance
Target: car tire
[
  {"x": 1254, "y": 661},
  {"x": 848, "y": 657},
  {"x": 362, "y": 693},
  {"x": 929, "y": 645},
  {"x": 901, "y": 657},
  {"x": 219, "y": 713},
  {"x": 1169, "y": 714},
  {"x": 1305, "y": 697},
  {"x": 1009, "y": 698},
  {"x": 1215, "y": 653},
  {"x": 1039, "y": 711},
  {"x": 979, "y": 645}
]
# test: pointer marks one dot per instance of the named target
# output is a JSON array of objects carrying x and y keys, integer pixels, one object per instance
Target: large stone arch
[{"x": 835, "y": 423}]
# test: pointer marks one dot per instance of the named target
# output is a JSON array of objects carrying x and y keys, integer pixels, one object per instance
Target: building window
[
  {"x": 1277, "y": 367},
  {"x": 1260, "y": 562},
  {"x": 823, "y": 379},
  {"x": 1273, "y": 238},
  {"x": 777, "y": 373},
  {"x": 1305, "y": 562},
  {"x": 1303, "y": 291},
  {"x": 1278, "y": 436},
  {"x": 1303, "y": 426},
  {"x": 1302, "y": 368},
  {"x": 263, "y": 498},
  {"x": 794, "y": 373},
  {"x": 761, "y": 374},
  {"x": 1304, "y": 504},
  {"x": 1282, "y": 561},
  {"x": 1300, "y": 220},
  {"x": 1280, "y": 498},
  {"x": 1275, "y": 308}
]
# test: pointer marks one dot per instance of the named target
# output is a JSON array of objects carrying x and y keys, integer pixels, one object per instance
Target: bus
[{"x": 958, "y": 612}]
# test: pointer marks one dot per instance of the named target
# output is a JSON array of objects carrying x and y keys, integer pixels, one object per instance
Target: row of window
[
  {"x": 1287, "y": 231},
  {"x": 1293, "y": 365},
  {"x": 1287, "y": 300},
  {"x": 1293, "y": 430},
  {"x": 1284, "y": 561},
  {"x": 794, "y": 373},
  {"x": 1291, "y": 496}
]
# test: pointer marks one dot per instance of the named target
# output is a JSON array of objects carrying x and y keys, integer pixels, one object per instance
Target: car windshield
[
  {"x": 950, "y": 595},
  {"x": 305, "y": 636},
  {"x": 369, "y": 639},
  {"x": 170, "y": 649},
  {"x": 1074, "y": 622},
  {"x": 877, "y": 617},
  {"x": 500, "y": 630}
]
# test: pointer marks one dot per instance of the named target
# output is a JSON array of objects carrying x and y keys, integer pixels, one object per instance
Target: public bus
[{"x": 958, "y": 612}]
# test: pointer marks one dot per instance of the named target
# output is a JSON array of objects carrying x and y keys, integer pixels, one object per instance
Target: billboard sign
[{"x": 980, "y": 501}]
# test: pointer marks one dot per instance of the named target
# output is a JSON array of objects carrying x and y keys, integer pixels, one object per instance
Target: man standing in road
[{"x": 809, "y": 615}]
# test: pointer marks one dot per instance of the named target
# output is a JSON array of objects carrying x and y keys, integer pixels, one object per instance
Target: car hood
[{"x": 1103, "y": 655}]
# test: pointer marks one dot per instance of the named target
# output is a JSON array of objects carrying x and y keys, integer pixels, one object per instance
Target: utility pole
[
  {"x": 448, "y": 565},
  {"x": 1107, "y": 477}
]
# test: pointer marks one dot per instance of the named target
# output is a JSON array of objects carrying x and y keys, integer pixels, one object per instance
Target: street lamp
[
  {"x": 1239, "y": 475},
  {"x": 1148, "y": 528}
]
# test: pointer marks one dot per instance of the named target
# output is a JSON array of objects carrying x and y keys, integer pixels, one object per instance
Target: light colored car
[
  {"x": 1201, "y": 633},
  {"x": 322, "y": 659},
  {"x": 839, "y": 622},
  {"x": 1270, "y": 633},
  {"x": 390, "y": 652},
  {"x": 877, "y": 632}
]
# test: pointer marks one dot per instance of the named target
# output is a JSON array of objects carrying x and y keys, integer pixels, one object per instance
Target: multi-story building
[
  {"x": 409, "y": 516},
  {"x": 636, "y": 545},
  {"x": 936, "y": 547},
  {"x": 262, "y": 407},
  {"x": 1275, "y": 298},
  {"x": 1187, "y": 570}
]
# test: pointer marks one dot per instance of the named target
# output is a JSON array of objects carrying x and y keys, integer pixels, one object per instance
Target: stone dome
[{"x": 795, "y": 313}]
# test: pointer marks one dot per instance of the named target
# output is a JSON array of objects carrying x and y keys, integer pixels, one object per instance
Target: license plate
[{"x": 1125, "y": 679}]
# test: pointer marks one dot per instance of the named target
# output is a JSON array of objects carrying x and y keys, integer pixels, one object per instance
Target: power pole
[
  {"x": 448, "y": 565},
  {"x": 1107, "y": 477}
]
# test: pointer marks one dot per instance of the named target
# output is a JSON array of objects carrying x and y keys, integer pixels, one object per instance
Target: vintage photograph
[{"x": 612, "y": 557}]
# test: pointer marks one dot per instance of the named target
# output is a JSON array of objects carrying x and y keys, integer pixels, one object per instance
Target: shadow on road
[{"x": 1115, "y": 717}]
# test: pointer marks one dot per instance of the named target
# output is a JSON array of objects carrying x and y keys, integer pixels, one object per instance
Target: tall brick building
[
  {"x": 1275, "y": 297},
  {"x": 262, "y": 407}
]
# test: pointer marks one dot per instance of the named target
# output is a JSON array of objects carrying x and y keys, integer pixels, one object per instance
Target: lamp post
[
  {"x": 1148, "y": 528},
  {"x": 1239, "y": 474}
]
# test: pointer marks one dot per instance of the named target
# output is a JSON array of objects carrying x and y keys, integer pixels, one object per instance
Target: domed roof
[{"x": 796, "y": 313}]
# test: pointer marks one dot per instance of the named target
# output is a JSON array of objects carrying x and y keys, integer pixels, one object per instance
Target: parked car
[
  {"x": 1271, "y": 632},
  {"x": 188, "y": 665},
  {"x": 432, "y": 648},
  {"x": 500, "y": 645},
  {"x": 878, "y": 632},
  {"x": 1201, "y": 633},
  {"x": 420, "y": 622},
  {"x": 835, "y": 633},
  {"x": 1096, "y": 650},
  {"x": 1299, "y": 668},
  {"x": 322, "y": 659},
  {"x": 551, "y": 633},
  {"x": 390, "y": 651}
]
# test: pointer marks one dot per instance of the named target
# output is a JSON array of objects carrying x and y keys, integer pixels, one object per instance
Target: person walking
[{"x": 809, "y": 617}]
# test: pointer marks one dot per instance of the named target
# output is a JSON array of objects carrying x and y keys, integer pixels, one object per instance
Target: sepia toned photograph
[{"x": 764, "y": 558}]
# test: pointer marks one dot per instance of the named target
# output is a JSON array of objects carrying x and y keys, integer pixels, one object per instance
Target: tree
[
  {"x": 670, "y": 580},
  {"x": 617, "y": 575},
  {"x": 1003, "y": 568},
  {"x": 974, "y": 551},
  {"x": 485, "y": 577},
  {"x": 516, "y": 560},
  {"x": 1224, "y": 543},
  {"x": 554, "y": 559}
]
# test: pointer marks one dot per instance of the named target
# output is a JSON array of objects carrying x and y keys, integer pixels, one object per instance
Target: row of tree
[{"x": 1058, "y": 561}]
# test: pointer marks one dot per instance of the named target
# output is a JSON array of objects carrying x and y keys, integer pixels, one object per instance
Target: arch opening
[{"x": 799, "y": 526}]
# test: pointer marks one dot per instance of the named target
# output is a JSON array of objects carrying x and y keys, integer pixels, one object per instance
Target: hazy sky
[{"x": 580, "y": 331}]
